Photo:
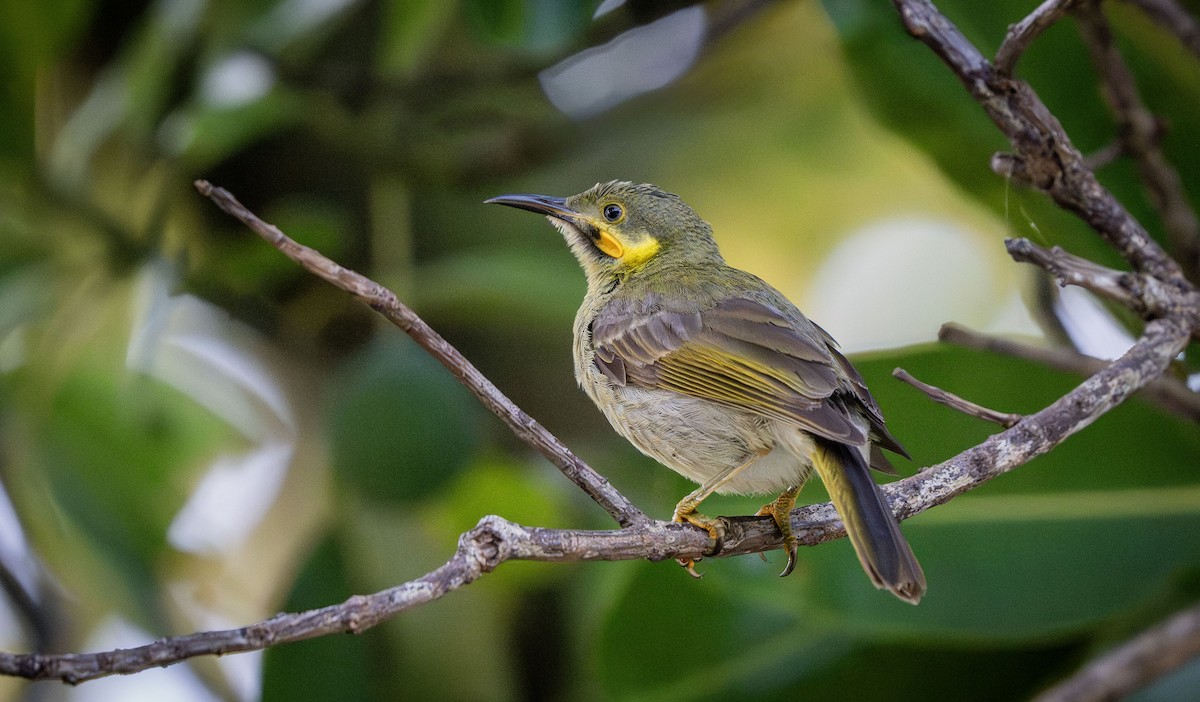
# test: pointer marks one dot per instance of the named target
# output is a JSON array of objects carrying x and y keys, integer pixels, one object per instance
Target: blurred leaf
[
  {"x": 205, "y": 135},
  {"x": 498, "y": 20},
  {"x": 913, "y": 93},
  {"x": 533, "y": 25},
  {"x": 1135, "y": 445},
  {"x": 1024, "y": 573},
  {"x": 409, "y": 32},
  {"x": 131, "y": 96},
  {"x": 114, "y": 450},
  {"x": 705, "y": 640},
  {"x": 917, "y": 672},
  {"x": 517, "y": 492},
  {"x": 401, "y": 427},
  {"x": 329, "y": 667},
  {"x": 492, "y": 289},
  {"x": 30, "y": 37},
  {"x": 390, "y": 543},
  {"x": 248, "y": 264}
]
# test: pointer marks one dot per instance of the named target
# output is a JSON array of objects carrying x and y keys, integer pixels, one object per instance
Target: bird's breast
[{"x": 696, "y": 438}]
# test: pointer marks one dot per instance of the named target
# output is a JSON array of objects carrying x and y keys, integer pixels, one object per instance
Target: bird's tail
[{"x": 872, "y": 527}]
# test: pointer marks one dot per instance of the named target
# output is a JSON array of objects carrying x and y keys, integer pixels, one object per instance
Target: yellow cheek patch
[
  {"x": 630, "y": 255},
  {"x": 640, "y": 252}
]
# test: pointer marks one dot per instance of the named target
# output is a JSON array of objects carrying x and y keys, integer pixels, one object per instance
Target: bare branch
[
  {"x": 1172, "y": 17},
  {"x": 1103, "y": 156},
  {"x": 1044, "y": 156},
  {"x": 385, "y": 302},
  {"x": 1141, "y": 134},
  {"x": 1135, "y": 663},
  {"x": 1022, "y": 34},
  {"x": 1143, "y": 294},
  {"x": 949, "y": 399},
  {"x": 1038, "y": 433},
  {"x": 1166, "y": 392},
  {"x": 496, "y": 540}
]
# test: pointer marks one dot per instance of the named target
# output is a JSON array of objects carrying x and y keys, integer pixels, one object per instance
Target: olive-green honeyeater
[{"x": 716, "y": 375}]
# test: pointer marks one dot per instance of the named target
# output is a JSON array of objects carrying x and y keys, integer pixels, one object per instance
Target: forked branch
[
  {"x": 496, "y": 540},
  {"x": 1043, "y": 156}
]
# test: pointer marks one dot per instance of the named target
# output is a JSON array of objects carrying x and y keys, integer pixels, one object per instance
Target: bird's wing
[{"x": 740, "y": 352}]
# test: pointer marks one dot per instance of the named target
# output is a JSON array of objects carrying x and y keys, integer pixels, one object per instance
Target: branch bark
[
  {"x": 1135, "y": 663},
  {"x": 1140, "y": 133},
  {"x": 1022, "y": 34},
  {"x": 1043, "y": 156},
  {"x": 1144, "y": 294},
  {"x": 1166, "y": 392},
  {"x": 496, "y": 540},
  {"x": 386, "y": 303},
  {"x": 949, "y": 399}
]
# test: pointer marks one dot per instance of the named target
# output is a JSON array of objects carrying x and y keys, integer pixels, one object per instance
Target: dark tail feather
[{"x": 872, "y": 527}]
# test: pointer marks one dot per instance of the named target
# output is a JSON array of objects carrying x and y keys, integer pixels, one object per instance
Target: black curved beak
[{"x": 541, "y": 204}]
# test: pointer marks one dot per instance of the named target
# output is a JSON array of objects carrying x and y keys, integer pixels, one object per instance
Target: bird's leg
[
  {"x": 685, "y": 511},
  {"x": 781, "y": 511}
]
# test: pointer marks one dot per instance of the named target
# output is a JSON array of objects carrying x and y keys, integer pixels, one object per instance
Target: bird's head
[{"x": 619, "y": 228}]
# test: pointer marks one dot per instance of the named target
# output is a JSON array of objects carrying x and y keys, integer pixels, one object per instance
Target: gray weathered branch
[
  {"x": 496, "y": 540},
  {"x": 1165, "y": 392},
  {"x": 949, "y": 399},
  {"x": 1043, "y": 157},
  {"x": 386, "y": 303},
  {"x": 1022, "y": 34},
  {"x": 1144, "y": 294},
  {"x": 1140, "y": 134},
  {"x": 1135, "y": 663}
]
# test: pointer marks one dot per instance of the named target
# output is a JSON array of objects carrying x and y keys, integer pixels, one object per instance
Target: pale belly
[{"x": 700, "y": 439}]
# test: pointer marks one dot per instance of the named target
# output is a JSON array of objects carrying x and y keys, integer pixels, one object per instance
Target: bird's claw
[
  {"x": 791, "y": 564},
  {"x": 781, "y": 512},
  {"x": 689, "y": 564},
  {"x": 716, "y": 532}
]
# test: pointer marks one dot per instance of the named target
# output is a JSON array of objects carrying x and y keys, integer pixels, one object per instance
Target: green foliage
[
  {"x": 346, "y": 669},
  {"x": 400, "y": 426},
  {"x": 372, "y": 132}
]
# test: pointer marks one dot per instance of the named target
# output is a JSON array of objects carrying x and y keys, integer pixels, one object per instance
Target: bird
[{"x": 715, "y": 374}]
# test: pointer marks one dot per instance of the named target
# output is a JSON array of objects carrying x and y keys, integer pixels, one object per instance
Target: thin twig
[
  {"x": 1141, "y": 134},
  {"x": 1022, "y": 34},
  {"x": 949, "y": 399},
  {"x": 386, "y": 303},
  {"x": 496, "y": 540},
  {"x": 1166, "y": 392},
  {"x": 1143, "y": 294},
  {"x": 1172, "y": 17},
  {"x": 1043, "y": 156},
  {"x": 1135, "y": 663},
  {"x": 1103, "y": 156}
]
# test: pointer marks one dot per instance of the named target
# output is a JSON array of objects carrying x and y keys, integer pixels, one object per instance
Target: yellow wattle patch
[{"x": 610, "y": 245}]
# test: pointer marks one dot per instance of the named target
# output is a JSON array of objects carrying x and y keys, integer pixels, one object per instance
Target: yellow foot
[
  {"x": 781, "y": 512},
  {"x": 686, "y": 514}
]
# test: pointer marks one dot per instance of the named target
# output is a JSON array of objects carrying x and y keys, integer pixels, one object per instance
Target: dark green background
[{"x": 387, "y": 125}]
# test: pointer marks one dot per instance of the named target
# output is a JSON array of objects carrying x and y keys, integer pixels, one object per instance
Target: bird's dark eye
[{"x": 613, "y": 212}]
